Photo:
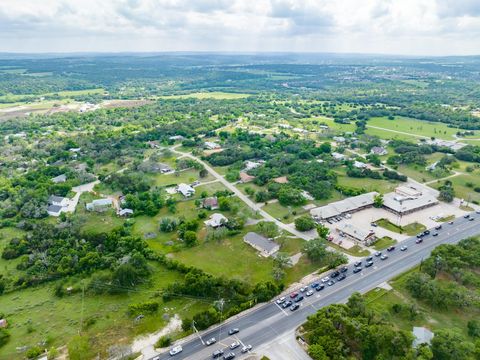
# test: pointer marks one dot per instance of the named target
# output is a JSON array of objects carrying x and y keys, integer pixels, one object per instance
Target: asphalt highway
[{"x": 269, "y": 321}]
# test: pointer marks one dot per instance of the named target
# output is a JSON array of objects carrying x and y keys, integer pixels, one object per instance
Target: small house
[
  {"x": 359, "y": 164},
  {"x": 58, "y": 200},
  {"x": 378, "y": 150},
  {"x": 185, "y": 190},
  {"x": 59, "y": 179},
  {"x": 125, "y": 212},
  {"x": 55, "y": 210},
  {"x": 216, "y": 220},
  {"x": 99, "y": 205},
  {"x": 210, "y": 203},
  {"x": 210, "y": 145},
  {"x": 265, "y": 246},
  {"x": 338, "y": 156}
]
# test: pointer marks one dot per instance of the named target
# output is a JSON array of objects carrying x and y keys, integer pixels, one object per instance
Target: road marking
[{"x": 286, "y": 314}]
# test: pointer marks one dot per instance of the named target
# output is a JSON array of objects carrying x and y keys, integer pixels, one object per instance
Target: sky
[{"x": 404, "y": 27}]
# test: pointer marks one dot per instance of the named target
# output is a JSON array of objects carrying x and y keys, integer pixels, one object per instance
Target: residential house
[
  {"x": 176, "y": 137},
  {"x": 359, "y": 164},
  {"x": 99, "y": 205},
  {"x": 210, "y": 203},
  {"x": 185, "y": 190},
  {"x": 58, "y": 200},
  {"x": 125, "y": 212},
  {"x": 216, "y": 220},
  {"x": 153, "y": 144},
  {"x": 338, "y": 156},
  {"x": 266, "y": 247},
  {"x": 59, "y": 179},
  {"x": 210, "y": 145},
  {"x": 55, "y": 210},
  {"x": 249, "y": 165},
  {"x": 339, "y": 139},
  {"x": 378, "y": 150},
  {"x": 422, "y": 336},
  {"x": 245, "y": 178}
]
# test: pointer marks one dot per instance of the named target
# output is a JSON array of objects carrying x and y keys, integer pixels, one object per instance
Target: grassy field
[
  {"x": 13, "y": 98},
  {"x": 187, "y": 176},
  {"x": 331, "y": 124},
  {"x": 410, "y": 229},
  {"x": 413, "y": 126},
  {"x": 354, "y": 250},
  {"x": 278, "y": 211},
  {"x": 381, "y": 186},
  {"x": 217, "y": 95},
  {"x": 463, "y": 186},
  {"x": 36, "y": 312},
  {"x": 419, "y": 173},
  {"x": 384, "y": 242}
]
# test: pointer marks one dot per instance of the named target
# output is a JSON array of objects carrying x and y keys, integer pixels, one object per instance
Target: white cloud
[{"x": 381, "y": 26}]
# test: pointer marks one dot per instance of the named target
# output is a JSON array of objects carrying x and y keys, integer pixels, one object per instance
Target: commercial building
[
  {"x": 265, "y": 246},
  {"x": 340, "y": 208},
  {"x": 365, "y": 237},
  {"x": 403, "y": 205}
]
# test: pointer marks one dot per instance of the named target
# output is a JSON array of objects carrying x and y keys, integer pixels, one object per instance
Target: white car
[
  {"x": 176, "y": 350},
  {"x": 404, "y": 248},
  {"x": 210, "y": 341},
  {"x": 303, "y": 289},
  {"x": 326, "y": 279},
  {"x": 234, "y": 345},
  {"x": 281, "y": 300},
  {"x": 309, "y": 293},
  {"x": 246, "y": 349}
]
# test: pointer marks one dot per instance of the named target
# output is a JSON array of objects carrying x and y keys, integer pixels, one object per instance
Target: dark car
[
  {"x": 471, "y": 219},
  {"x": 233, "y": 331},
  {"x": 435, "y": 234},
  {"x": 418, "y": 241},
  {"x": 315, "y": 285},
  {"x": 229, "y": 356},
  {"x": 342, "y": 277},
  {"x": 370, "y": 258},
  {"x": 294, "y": 307},
  {"x": 320, "y": 287},
  {"x": 335, "y": 274},
  {"x": 358, "y": 263},
  {"x": 357, "y": 270},
  {"x": 286, "y": 304},
  {"x": 217, "y": 353},
  {"x": 344, "y": 269},
  {"x": 298, "y": 298},
  {"x": 438, "y": 227},
  {"x": 391, "y": 248},
  {"x": 419, "y": 236},
  {"x": 466, "y": 216},
  {"x": 378, "y": 253},
  {"x": 426, "y": 232},
  {"x": 368, "y": 264}
]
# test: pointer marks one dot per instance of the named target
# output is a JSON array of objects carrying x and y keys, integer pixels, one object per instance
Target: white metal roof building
[
  {"x": 402, "y": 205},
  {"x": 357, "y": 234},
  {"x": 349, "y": 205}
]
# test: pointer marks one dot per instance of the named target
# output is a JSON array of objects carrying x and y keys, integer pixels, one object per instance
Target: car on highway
[
  {"x": 175, "y": 350},
  {"x": 246, "y": 348},
  {"x": 368, "y": 264},
  {"x": 281, "y": 300},
  {"x": 378, "y": 253},
  {"x": 210, "y": 341},
  {"x": 293, "y": 295},
  {"x": 233, "y": 331},
  {"x": 344, "y": 269},
  {"x": 438, "y": 227},
  {"x": 330, "y": 283},
  {"x": 217, "y": 353},
  {"x": 435, "y": 234},
  {"x": 287, "y": 304},
  {"x": 234, "y": 345},
  {"x": 342, "y": 277},
  {"x": 391, "y": 248},
  {"x": 229, "y": 356},
  {"x": 315, "y": 285},
  {"x": 477, "y": 211},
  {"x": 335, "y": 274},
  {"x": 294, "y": 307},
  {"x": 404, "y": 248},
  {"x": 304, "y": 288},
  {"x": 298, "y": 298},
  {"x": 384, "y": 257},
  {"x": 419, "y": 236},
  {"x": 309, "y": 293},
  {"x": 451, "y": 222},
  {"x": 370, "y": 258},
  {"x": 357, "y": 263},
  {"x": 357, "y": 270},
  {"x": 466, "y": 216},
  {"x": 320, "y": 287},
  {"x": 325, "y": 279},
  {"x": 471, "y": 219},
  {"x": 426, "y": 232}
]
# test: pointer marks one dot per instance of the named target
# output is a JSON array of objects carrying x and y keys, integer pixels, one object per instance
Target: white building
[
  {"x": 185, "y": 190},
  {"x": 99, "y": 205},
  {"x": 354, "y": 233},
  {"x": 59, "y": 179},
  {"x": 57, "y": 205},
  {"x": 211, "y": 145},
  {"x": 338, "y": 156},
  {"x": 359, "y": 164},
  {"x": 216, "y": 220},
  {"x": 342, "y": 207}
]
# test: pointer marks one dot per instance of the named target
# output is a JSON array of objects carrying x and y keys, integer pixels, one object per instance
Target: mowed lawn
[
  {"x": 415, "y": 127},
  {"x": 381, "y": 186},
  {"x": 464, "y": 186}
]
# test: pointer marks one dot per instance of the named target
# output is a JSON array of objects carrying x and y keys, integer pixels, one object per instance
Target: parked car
[
  {"x": 344, "y": 269},
  {"x": 378, "y": 253},
  {"x": 176, "y": 350},
  {"x": 419, "y": 236},
  {"x": 294, "y": 307},
  {"x": 358, "y": 263},
  {"x": 217, "y": 353},
  {"x": 331, "y": 282},
  {"x": 450, "y": 222},
  {"x": 342, "y": 277},
  {"x": 404, "y": 248},
  {"x": 315, "y": 285},
  {"x": 435, "y": 234},
  {"x": 466, "y": 216},
  {"x": 320, "y": 287},
  {"x": 281, "y": 300},
  {"x": 325, "y": 279},
  {"x": 373, "y": 224},
  {"x": 438, "y": 227},
  {"x": 426, "y": 232},
  {"x": 210, "y": 341},
  {"x": 234, "y": 345},
  {"x": 391, "y": 248},
  {"x": 357, "y": 270},
  {"x": 229, "y": 356},
  {"x": 368, "y": 264},
  {"x": 298, "y": 298},
  {"x": 471, "y": 219},
  {"x": 384, "y": 257},
  {"x": 335, "y": 274},
  {"x": 309, "y": 293},
  {"x": 287, "y": 304},
  {"x": 246, "y": 348},
  {"x": 304, "y": 288},
  {"x": 233, "y": 331},
  {"x": 293, "y": 295},
  {"x": 370, "y": 258}
]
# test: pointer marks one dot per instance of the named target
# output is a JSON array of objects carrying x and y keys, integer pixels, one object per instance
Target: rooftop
[
  {"x": 354, "y": 232},
  {"x": 260, "y": 241},
  {"x": 403, "y": 204},
  {"x": 343, "y": 206}
]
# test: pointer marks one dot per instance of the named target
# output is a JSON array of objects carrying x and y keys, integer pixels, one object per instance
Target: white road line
[{"x": 286, "y": 314}]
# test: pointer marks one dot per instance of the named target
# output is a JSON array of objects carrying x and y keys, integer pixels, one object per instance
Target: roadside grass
[
  {"x": 187, "y": 177},
  {"x": 217, "y": 95},
  {"x": 322, "y": 120},
  {"x": 251, "y": 185},
  {"x": 415, "y": 127},
  {"x": 409, "y": 229},
  {"x": 381, "y": 186},
  {"x": 283, "y": 213},
  {"x": 384, "y": 242},
  {"x": 355, "y": 250},
  {"x": 37, "y": 312},
  {"x": 447, "y": 218},
  {"x": 463, "y": 186}
]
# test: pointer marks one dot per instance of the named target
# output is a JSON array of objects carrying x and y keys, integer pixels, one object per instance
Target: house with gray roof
[
  {"x": 59, "y": 179},
  {"x": 422, "y": 336},
  {"x": 266, "y": 247},
  {"x": 55, "y": 210},
  {"x": 99, "y": 205},
  {"x": 58, "y": 200},
  {"x": 359, "y": 235}
]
